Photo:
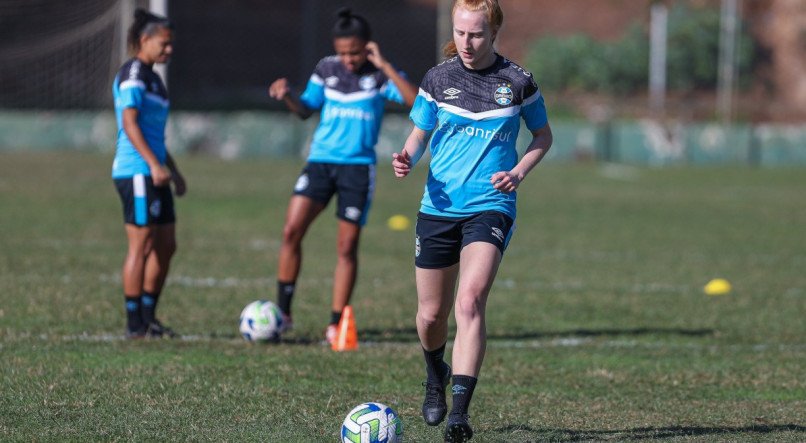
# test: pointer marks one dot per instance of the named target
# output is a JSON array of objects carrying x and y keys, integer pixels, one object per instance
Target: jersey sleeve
[
  {"x": 391, "y": 92},
  {"x": 424, "y": 111},
  {"x": 314, "y": 95},
  {"x": 131, "y": 93},
  {"x": 533, "y": 111}
]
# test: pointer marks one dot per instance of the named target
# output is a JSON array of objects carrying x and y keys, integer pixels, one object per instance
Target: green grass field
[{"x": 599, "y": 327}]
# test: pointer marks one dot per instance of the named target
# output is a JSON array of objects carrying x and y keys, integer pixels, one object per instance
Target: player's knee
[
  {"x": 347, "y": 249},
  {"x": 431, "y": 317},
  {"x": 135, "y": 256},
  {"x": 469, "y": 307},
  {"x": 140, "y": 251},
  {"x": 292, "y": 234}
]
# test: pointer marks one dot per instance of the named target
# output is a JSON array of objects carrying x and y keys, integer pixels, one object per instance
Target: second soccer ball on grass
[{"x": 261, "y": 321}]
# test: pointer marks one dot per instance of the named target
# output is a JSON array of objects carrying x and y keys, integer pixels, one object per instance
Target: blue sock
[
  {"x": 134, "y": 320},
  {"x": 148, "y": 307}
]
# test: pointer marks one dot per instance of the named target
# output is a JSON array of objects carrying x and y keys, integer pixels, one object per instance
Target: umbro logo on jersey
[
  {"x": 451, "y": 93},
  {"x": 499, "y": 234},
  {"x": 331, "y": 81}
]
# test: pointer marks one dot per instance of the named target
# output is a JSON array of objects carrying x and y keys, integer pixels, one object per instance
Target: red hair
[{"x": 491, "y": 8}]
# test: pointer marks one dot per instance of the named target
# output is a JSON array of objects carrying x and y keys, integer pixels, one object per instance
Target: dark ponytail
[
  {"x": 145, "y": 23},
  {"x": 351, "y": 25}
]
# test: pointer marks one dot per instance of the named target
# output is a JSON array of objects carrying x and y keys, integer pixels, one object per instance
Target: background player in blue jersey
[
  {"x": 351, "y": 89},
  {"x": 142, "y": 171},
  {"x": 470, "y": 106}
]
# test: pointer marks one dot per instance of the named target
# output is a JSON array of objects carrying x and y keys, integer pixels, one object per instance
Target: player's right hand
[
  {"x": 279, "y": 89},
  {"x": 401, "y": 163},
  {"x": 160, "y": 175}
]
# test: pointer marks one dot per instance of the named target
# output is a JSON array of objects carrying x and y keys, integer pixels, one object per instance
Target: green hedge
[{"x": 578, "y": 62}]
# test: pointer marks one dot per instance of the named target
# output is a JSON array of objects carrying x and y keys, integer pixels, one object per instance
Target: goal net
[{"x": 59, "y": 54}]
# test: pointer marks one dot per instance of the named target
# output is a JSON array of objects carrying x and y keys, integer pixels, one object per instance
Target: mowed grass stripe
[{"x": 599, "y": 327}]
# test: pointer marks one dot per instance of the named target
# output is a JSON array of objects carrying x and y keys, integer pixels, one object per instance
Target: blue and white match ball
[
  {"x": 372, "y": 423},
  {"x": 261, "y": 320}
]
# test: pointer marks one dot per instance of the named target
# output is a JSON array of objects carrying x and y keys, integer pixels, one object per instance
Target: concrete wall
[{"x": 267, "y": 134}]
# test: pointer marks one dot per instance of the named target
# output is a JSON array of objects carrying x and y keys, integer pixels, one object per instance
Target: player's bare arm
[
  {"x": 281, "y": 90},
  {"x": 508, "y": 181},
  {"x": 159, "y": 173},
  {"x": 180, "y": 186},
  {"x": 407, "y": 89},
  {"x": 413, "y": 149}
]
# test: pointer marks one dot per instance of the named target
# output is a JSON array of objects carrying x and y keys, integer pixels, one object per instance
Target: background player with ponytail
[
  {"x": 350, "y": 88},
  {"x": 143, "y": 170}
]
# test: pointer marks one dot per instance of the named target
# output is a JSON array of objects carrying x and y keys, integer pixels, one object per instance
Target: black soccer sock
[
  {"x": 134, "y": 320},
  {"x": 285, "y": 292},
  {"x": 148, "y": 307},
  {"x": 335, "y": 317},
  {"x": 463, "y": 387},
  {"x": 435, "y": 366}
]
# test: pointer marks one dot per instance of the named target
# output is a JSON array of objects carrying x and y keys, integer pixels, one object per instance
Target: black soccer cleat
[
  {"x": 156, "y": 329},
  {"x": 458, "y": 428},
  {"x": 434, "y": 405},
  {"x": 135, "y": 334}
]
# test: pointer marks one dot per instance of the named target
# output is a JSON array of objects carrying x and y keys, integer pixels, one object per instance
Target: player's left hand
[
  {"x": 374, "y": 55},
  {"x": 505, "y": 182}
]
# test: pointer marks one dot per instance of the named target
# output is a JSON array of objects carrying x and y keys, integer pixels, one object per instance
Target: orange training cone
[{"x": 347, "y": 336}]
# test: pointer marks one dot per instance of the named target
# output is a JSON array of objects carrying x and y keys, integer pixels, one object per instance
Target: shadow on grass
[
  {"x": 648, "y": 433},
  {"x": 588, "y": 333},
  {"x": 410, "y": 334},
  {"x": 292, "y": 339}
]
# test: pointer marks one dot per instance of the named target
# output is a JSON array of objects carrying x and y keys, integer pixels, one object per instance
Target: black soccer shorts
[
  {"x": 439, "y": 240},
  {"x": 143, "y": 203},
  {"x": 354, "y": 184}
]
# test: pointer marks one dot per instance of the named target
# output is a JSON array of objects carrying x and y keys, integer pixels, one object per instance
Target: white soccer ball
[
  {"x": 372, "y": 423},
  {"x": 261, "y": 320}
]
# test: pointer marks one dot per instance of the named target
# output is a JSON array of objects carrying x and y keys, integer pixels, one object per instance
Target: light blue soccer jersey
[
  {"x": 352, "y": 106},
  {"x": 137, "y": 86},
  {"x": 475, "y": 119}
]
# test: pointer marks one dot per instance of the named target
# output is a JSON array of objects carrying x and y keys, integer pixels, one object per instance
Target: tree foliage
[{"x": 578, "y": 62}]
